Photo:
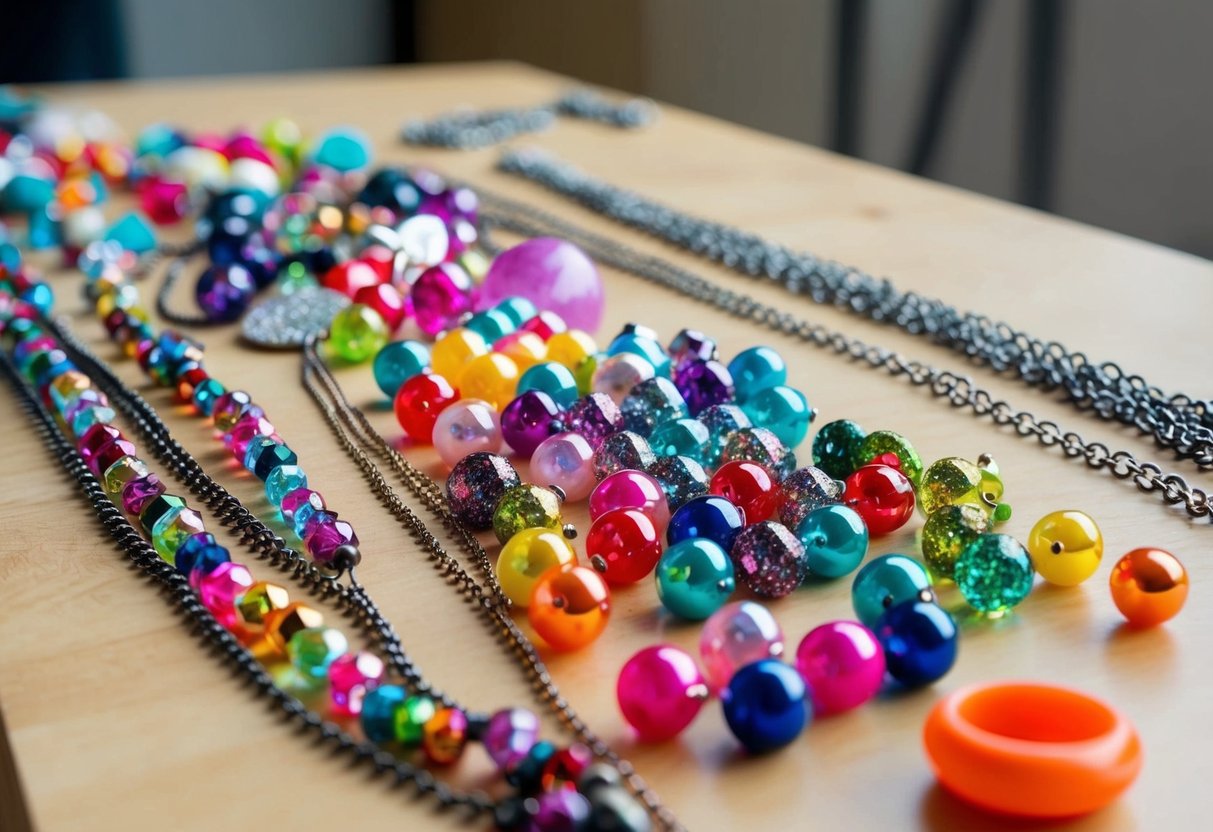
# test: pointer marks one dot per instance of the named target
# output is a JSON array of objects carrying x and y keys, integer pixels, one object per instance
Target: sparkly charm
[
  {"x": 287, "y": 320},
  {"x": 652, "y": 403},
  {"x": 887, "y": 442},
  {"x": 803, "y": 491},
  {"x": 694, "y": 578},
  {"x": 1149, "y": 586},
  {"x": 885, "y": 582},
  {"x": 765, "y": 705},
  {"x": 762, "y": 446},
  {"x": 722, "y": 421},
  {"x": 768, "y": 559},
  {"x": 994, "y": 573},
  {"x": 843, "y": 665},
  {"x": 681, "y": 477},
  {"x": 956, "y": 481},
  {"x": 835, "y": 445},
  {"x": 1065, "y": 547},
  {"x": 595, "y": 417},
  {"x": 660, "y": 692},
  {"x": 569, "y": 607},
  {"x": 475, "y": 486},
  {"x": 736, "y": 635},
  {"x": 526, "y": 507},
  {"x": 621, "y": 451},
  {"x": 948, "y": 532}
]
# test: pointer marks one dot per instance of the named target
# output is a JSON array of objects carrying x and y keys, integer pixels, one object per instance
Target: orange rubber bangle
[{"x": 1033, "y": 750}]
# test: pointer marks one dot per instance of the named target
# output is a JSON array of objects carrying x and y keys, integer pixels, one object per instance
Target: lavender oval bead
[
  {"x": 703, "y": 384},
  {"x": 595, "y": 417},
  {"x": 650, "y": 404},
  {"x": 622, "y": 451},
  {"x": 528, "y": 420},
  {"x": 681, "y": 478},
  {"x": 509, "y": 736},
  {"x": 804, "y": 491}
]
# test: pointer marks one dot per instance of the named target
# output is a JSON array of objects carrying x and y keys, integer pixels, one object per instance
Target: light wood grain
[{"x": 117, "y": 720}]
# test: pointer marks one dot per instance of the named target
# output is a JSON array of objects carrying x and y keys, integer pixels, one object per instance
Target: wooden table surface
[{"x": 118, "y": 720}]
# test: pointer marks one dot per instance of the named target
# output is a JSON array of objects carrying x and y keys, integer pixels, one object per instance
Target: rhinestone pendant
[{"x": 285, "y": 321}]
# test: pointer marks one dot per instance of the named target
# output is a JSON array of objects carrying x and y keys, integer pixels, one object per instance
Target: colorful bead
[
  {"x": 444, "y": 736},
  {"x": 492, "y": 377},
  {"x": 737, "y": 634},
  {"x": 525, "y": 507},
  {"x": 691, "y": 345},
  {"x": 325, "y": 538},
  {"x": 172, "y": 529},
  {"x": 681, "y": 437},
  {"x": 122, "y": 472},
  {"x": 300, "y": 500},
  {"x": 631, "y": 489},
  {"x": 622, "y": 451},
  {"x": 94, "y": 440},
  {"x": 265, "y": 453},
  {"x": 197, "y": 561},
  {"x": 344, "y": 149},
  {"x": 644, "y": 346},
  {"x": 528, "y": 420},
  {"x": 709, "y": 517},
  {"x": 721, "y": 421},
  {"x": 257, "y": 602},
  {"x": 569, "y": 607},
  {"x": 467, "y": 426},
  {"x": 765, "y": 705},
  {"x": 387, "y": 301},
  {"x": 782, "y": 410},
  {"x": 311, "y": 651},
  {"x": 919, "y": 639},
  {"x": 440, "y": 295},
  {"x": 412, "y": 715},
  {"x": 883, "y": 496},
  {"x": 418, "y": 403},
  {"x": 491, "y": 325},
  {"x": 357, "y": 333},
  {"x": 1066, "y": 547},
  {"x": 554, "y": 379},
  {"x": 452, "y": 352},
  {"x": 617, "y": 375},
  {"x": 570, "y": 348},
  {"x": 475, "y": 485},
  {"x": 948, "y": 532},
  {"x": 843, "y": 665},
  {"x": 994, "y": 573},
  {"x": 703, "y": 384},
  {"x": 682, "y": 479},
  {"x": 351, "y": 677},
  {"x": 768, "y": 559},
  {"x": 281, "y": 624},
  {"x": 204, "y": 395},
  {"x": 249, "y": 426},
  {"x": 1149, "y": 586},
  {"x": 761, "y": 446},
  {"x": 220, "y": 589},
  {"x": 652, "y": 403},
  {"x": 526, "y": 349},
  {"x": 624, "y": 545},
  {"x": 748, "y": 486},
  {"x": 510, "y": 735},
  {"x": 109, "y": 453},
  {"x": 694, "y": 578},
  {"x": 554, "y": 275},
  {"x": 757, "y": 369},
  {"x": 379, "y": 707},
  {"x": 397, "y": 362},
  {"x": 565, "y": 461},
  {"x": 595, "y": 417},
  {"x": 660, "y": 692},
  {"x": 885, "y": 582},
  {"x": 883, "y": 442},
  {"x": 561, "y": 810},
  {"x": 950, "y": 482},
  {"x": 137, "y": 492},
  {"x": 526, "y": 557},
  {"x": 835, "y": 541},
  {"x": 223, "y": 292},
  {"x": 229, "y": 408},
  {"x": 156, "y": 508},
  {"x": 283, "y": 480}
]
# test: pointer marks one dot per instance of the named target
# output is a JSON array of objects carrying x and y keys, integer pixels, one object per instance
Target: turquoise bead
[
  {"x": 26, "y": 193},
  {"x": 379, "y": 708},
  {"x": 886, "y": 582},
  {"x": 757, "y": 369},
  {"x": 994, "y": 573},
  {"x": 782, "y": 410},
  {"x": 344, "y": 150},
  {"x": 518, "y": 310},
  {"x": 264, "y": 454},
  {"x": 681, "y": 437},
  {"x": 646, "y": 348},
  {"x": 90, "y": 416},
  {"x": 158, "y": 140},
  {"x": 282, "y": 481},
  {"x": 491, "y": 324},
  {"x": 835, "y": 541},
  {"x": 205, "y": 394},
  {"x": 42, "y": 230},
  {"x": 397, "y": 362},
  {"x": 694, "y": 578},
  {"x": 132, "y": 233},
  {"x": 554, "y": 379}
]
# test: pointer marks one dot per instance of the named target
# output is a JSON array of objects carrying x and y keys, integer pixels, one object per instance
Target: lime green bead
[
  {"x": 283, "y": 136},
  {"x": 948, "y": 532},
  {"x": 887, "y": 442},
  {"x": 525, "y": 507},
  {"x": 313, "y": 649},
  {"x": 950, "y": 482},
  {"x": 357, "y": 333},
  {"x": 172, "y": 529},
  {"x": 584, "y": 374},
  {"x": 411, "y": 717},
  {"x": 994, "y": 573}
]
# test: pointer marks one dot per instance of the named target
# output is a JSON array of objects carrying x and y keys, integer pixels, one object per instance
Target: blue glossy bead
[
  {"x": 886, "y": 582},
  {"x": 302, "y": 515},
  {"x": 282, "y": 481},
  {"x": 190, "y": 548},
  {"x": 491, "y": 324},
  {"x": 681, "y": 437},
  {"x": 40, "y": 296},
  {"x": 694, "y": 578},
  {"x": 782, "y": 410},
  {"x": 343, "y": 149},
  {"x": 554, "y": 379},
  {"x": 756, "y": 369},
  {"x": 646, "y": 348},
  {"x": 711, "y": 517},
  {"x": 919, "y": 640},
  {"x": 202, "y": 562},
  {"x": 379, "y": 708},
  {"x": 651, "y": 403},
  {"x": 265, "y": 454},
  {"x": 397, "y": 362},
  {"x": 835, "y": 541},
  {"x": 518, "y": 310},
  {"x": 722, "y": 420},
  {"x": 204, "y": 395},
  {"x": 765, "y": 705}
]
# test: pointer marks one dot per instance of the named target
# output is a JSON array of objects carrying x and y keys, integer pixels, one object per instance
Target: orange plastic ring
[{"x": 1033, "y": 750}]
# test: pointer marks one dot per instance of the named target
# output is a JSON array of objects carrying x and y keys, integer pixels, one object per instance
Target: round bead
[
  {"x": 224, "y": 292},
  {"x": 452, "y": 352},
  {"x": 803, "y": 491},
  {"x": 569, "y": 607},
  {"x": 419, "y": 402},
  {"x": 525, "y": 507},
  {"x": 623, "y": 545},
  {"x": 835, "y": 541},
  {"x": 885, "y": 582},
  {"x": 651, "y": 403},
  {"x": 528, "y": 420},
  {"x": 710, "y": 517},
  {"x": 681, "y": 477},
  {"x": 643, "y": 345},
  {"x": 883, "y": 496},
  {"x": 595, "y": 417},
  {"x": 554, "y": 379},
  {"x": 567, "y": 462},
  {"x": 553, "y": 274},
  {"x": 761, "y": 446},
  {"x": 491, "y": 325},
  {"x": 412, "y": 715},
  {"x": 511, "y": 733},
  {"x": 517, "y": 309},
  {"x": 721, "y": 420},
  {"x": 768, "y": 559},
  {"x": 525, "y": 348},
  {"x": 313, "y": 649},
  {"x": 782, "y": 410},
  {"x": 757, "y": 369},
  {"x": 444, "y": 736},
  {"x": 492, "y": 377},
  {"x": 357, "y": 333},
  {"x": 703, "y": 384},
  {"x": 387, "y": 301},
  {"x": 1149, "y": 586},
  {"x": 351, "y": 277},
  {"x": 883, "y": 442},
  {"x": 475, "y": 486},
  {"x": 526, "y": 557},
  {"x": 1065, "y": 547},
  {"x": 843, "y": 665},
  {"x": 748, "y": 486},
  {"x": 737, "y": 634},
  {"x": 919, "y": 639},
  {"x": 660, "y": 692},
  {"x": 545, "y": 324},
  {"x": 379, "y": 708},
  {"x": 765, "y": 705},
  {"x": 681, "y": 437},
  {"x": 562, "y": 810},
  {"x": 948, "y": 532},
  {"x": 694, "y": 578},
  {"x": 467, "y": 426},
  {"x": 994, "y": 573},
  {"x": 570, "y": 348},
  {"x": 835, "y": 445},
  {"x": 350, "y": 678},
  {"x": 950, "y": 482},
  {"x": 440, "y": 295},
  {"x": 631, "y": 489},
  {"x": 622, "y": 451}
]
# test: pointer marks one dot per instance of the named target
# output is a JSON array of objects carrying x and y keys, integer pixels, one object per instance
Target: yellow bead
[
  {"x": 256, "y": 603},
  {"x": 453, "y": 351},
  {"x": 491, "y": 377},
  {"x": 571, "y": 347},
  {"x": 526, "y": 348},
  {"x": 1065, "y": 547},
  {"x": 525, "y": 557}
]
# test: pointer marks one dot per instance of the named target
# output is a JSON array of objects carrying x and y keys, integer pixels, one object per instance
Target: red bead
[
  {"x": 545, "y": 324},
  {"x": 109, "y": 454},
  {"x": 748, "y": 486},
  {"x": 380, "y": 258},
  {"x": 419, "y": 401},
  {"x": 565, "y": 767},
  {"x": 624, "y": 545},
  {"x": 347, "y": 278},
  {"x": 883, "y": 496},
  {"x": 164, "y": 202},
  {"x": 189, "y": 380},
  {"x": 386, "y": 300}
]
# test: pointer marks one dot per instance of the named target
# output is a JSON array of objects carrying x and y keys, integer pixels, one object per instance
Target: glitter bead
[
  {"x": 283, "y": 480},
  {"x": 475, "y": 486},
  {"x": 765, "y": 706},
  {"x": 571, "y": 348},
  {"x": 444, "y": 736},
  {"x": 1066, "y": 547},
  {"x": 510, "y": 735},
  {"x": 595, "y": 417},
  {"x": 919, "y": 639},
  {"x": 419, "y": 402},
  {"x": 565, "y": 461},
  {"x": 379, "y": 707},
  {"x": 526, "y": 557},
  {"x": 554, "y": 275},
  {"x": 709, "y": 517},
  {"x": 397, "y": 362},
  {"x": 452, "y": 352},
  {"x": 762, "y": 446},
  {"x": 883, "y": 496},
  {"x": 722, "y": 421},
  {"x": 440, "y": 295},
  {"x": 528, "y": 420},
  {"x": 621, "y": 451},
  {"x": 551, "y": 378},
  {"x": 681, "y": 437},
  {"x": 351, "y": 677},
  {"x": 623, "y": 545},
  {"x": 736, "y": 635},
  {"x": 569, "y": 607},
  {"x": 172, "y": 529},
  {"x": 220, "y": 589},
  {"x": 1149, "y": 586},
  {"x": 782, "y": 410},
  {"x": 950, "y": 482},
  {"x": 691, "y": 345},
  {"x": 768, "y": 559},
  {"x": 412, "y": 715},
  {"x": 137, "y": 492},
  {"x": 492, "y": 377},
  {"x": 885, "y": 582},
  {"x": 660, "y": 692},
  {"x": 256, "y": 603},
  {"x": 682, "y": 479},
  {"x": 757, "y": 369},
  {"x": 947, "y": 532},
  {"x": 312, "y": 650},
  {"x": 835, "y": 541},
  {"x": 618, "y": 375},
  {"x": 843, "y": 665},
  {"x": 994, "y": 573},
  {"x": 631, "y": 489},
  {"x": 883, "y": 442},
  {"x": 703, "y": 384},
  {"x": 694, "y": 578},
  {"x": 357, "y": 332},
  {"x": 748, "y": 486},
  {"x": 467, "y": 426},
  {"x": 652, "y": 403},
  {"x": 525, "y": 507}
]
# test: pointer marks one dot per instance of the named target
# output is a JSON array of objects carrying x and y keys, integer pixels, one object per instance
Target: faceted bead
[
  {"x": 525, "y": 557},
  {"x": 652, "y": 403},
  {"x": 398, "y": 362},
  {"x": 283, "y": 480},
  {"x": 121, "y": 472},
  {"x": 703, "y": 384},
  {"x": 108, "y": 454},
  {"x": 83, "y": 418},
  {"x": 229, "y": 408},
  {"x": 843, "y": 665},
  {"x": 595, "y": 417},
  {"x": 411, "y": 717},
  {"x": 1065, "y": 546},
  {"x": 452, "y": 352},
  {"x": 249, "y": 425},
  {"x": 440, "y": 295},
  {"x": 554, "y": 275},
  {"x": 351, "y": 677},
  {"x": 682, "y": 479},
  {"x": 994, "y": 573},
  {"x": 835, "y": 541},
  {"x": 418, "y": 403},
  {"x": 835, "y": 445},
  {"x": 691, "y": 345},
  {"x": 554, "y": 379},
  {"x": 736, "y": 635},
  {"x": 631, "y": 489},
  {"x": 492, "y": 377},
  {"x": 919, "y": 639},
  {"x": 569, "y": 607},
  {"x": 67, "y": 386},
  {"x": 528, "y": 420},
  {"x": 885, "y": 582},
  {"x": 562, "y": 810},
  {"x": 564, "y": 768},
  {"x": 748, "y": 486},
  {"x": 782, "y": 410},
  {"x": 948, "y": 532},
  {"x": 571, "y": 348},
  {"x": 1149, "y": 586},
  {"x": 757, "y": 369},
  {"x": 220, "y": 589},
  {"x": 883, "y": 496},
  {"x": 768, "y": 559},
  {"x": 694, "y": 578},
  {"x": 681, "y": 437},
  {"x": 624, "y": 545},
  {"x": 257, "y": 602},
  {"x": 356, "y": 333},
  {"x": 525, "y": 507},
  {"x": 307, "y": 518},
  {"x": 326, "y": 537},
  {"x": 192, "y": 545},
  {"x": 205, "y": 394},
  {"x": 722, "y": 421},
  {"x": 379, "y": 708},
  {"x": 887, "y": 442},
  {"x": 444, "y": 736},
  {"x": 764, "y": 705},
  {"x": 804, "y": 491},
  {"x": 617, "y": 375},
  {"x": 265, "y": 453},
  {"x": 475, "y": 486},
  {"x": 281, "y": 624},
  {"x": 94, "y": 440},
  {"x": 297, "y": 499},
  {"x": 762, "y": 446},
  {"x": 197, "y": 563},
  {"x": 510, "y": 735},
  {"x": 223, "y": 292},
  {"x": 312, "y": 650},
  {"x": 387, "y": 301},
  {"x": 172, "y": 529},
  {"x": 622, "y": 451},
  {"x": 709, "y": 517},
  {"x": 565, "y": 461}
]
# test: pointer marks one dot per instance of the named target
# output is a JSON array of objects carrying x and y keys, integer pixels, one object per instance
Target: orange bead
[
  {"x": 526, "y": 348},
  {"x": 444, "y": 735},
  {"x": 281, "y": 624},
  {"x": 1149, "y": 586},
  {"x": 569, "y": 606}
]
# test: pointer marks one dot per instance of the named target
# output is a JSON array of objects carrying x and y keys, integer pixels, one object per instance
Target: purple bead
[
  {"x": 563, "y": 810},
  {"x": 463, "y": 202},
  {"x": 595, "y": 417},
  {"x": 139, "y": 491},
  {"x": 768, "y": 559},
  {"x": 510, "y": 734},
  {"x": 299, "y": 497},
  {"x": 325, "y": 535},
  {"x": 805, "y": 491},
  {"x": 691, "y": 345},
  {"x": 553, "y": 274},
  {"x": 703, "y": 384},
  {"x": 622, "y": 451},
  {"x": 223, "y": 292},
  {"x": 527, "y": 421}
]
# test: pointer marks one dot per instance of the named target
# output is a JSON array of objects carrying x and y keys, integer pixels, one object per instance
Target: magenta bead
[
  {"x": 527, "y": 421},
  {"x": 631, "y": 489},
  {"x": 326, "y": 535},
  {"x": 545, "y": 324},
  {"x": 553, "y": 274},
  {"x": 467, "y": 426},
  {"x": 249, "y": 426},
  {"x": 843, "y": 665},
  {"x": 138, "y": 492},
  {"x": 294, "y": 500},
  {"x": 660, "y": 691},
  {"x": 735, "y": 635},
  {"x": 441, "y": 294},
  {"x": 561, "y": 810},
  {"x": 565, "y": 460},
  {"x": 510, "y": 735},
  {"x": 350, "y": 677},
  {"x": 220, "y": 589}
]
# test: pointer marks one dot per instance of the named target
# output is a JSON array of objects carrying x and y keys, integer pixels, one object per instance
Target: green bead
[
  {"x": 397, "y": 362},
  {"x": 357, "y": 332},
  {"x": 888, "y": 442},
  {"x": 525, "y": 507},
  {"x": 681, "y": 437},
  {"x": 491, "y": 324},
  {"x": 172, "y": 529},
  {"x": 133, "y": 234},
  {"x": 948, "y": 532},
  {"x": 994, "y": 573},
  {"x": 949, "y": 482},
  {"x": 782, "y": 410},
  {"x": 518, "y": 309},
  {"x": 554, "y": 379},
  {"x": 694, "y": 578},
  {"x": 343, "y": 150},
  {"x": 835, "y": 445},
  {"x": 156, "y": 508},
  {"x": 313, "y": 649},
  {"x": 411, "y": 717},
  {"x": 584, "y": 374},
  {"x": 886, "y": 582},
  {"x": 835, "y": 541}
]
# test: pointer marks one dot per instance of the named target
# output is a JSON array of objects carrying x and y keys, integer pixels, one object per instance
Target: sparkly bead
[
  {"x": 883, "y": 496},
  {"x": 205, "y": 394},
  {"x": 525, "y": 348},
  {"x": 565, "y": 461},
  {"x": 221, "y": 587},
  {"x": 122, "y": 472},
  {"x": 256, "y": 603},
  {"x": 694, "y": 578},
  {"x": 265, "y": 453},
  {"x": 947, "y": 532},
  {"x": 762, "y": 446},
  {"x": 560, "y": 811},
  {"x": 886, "y": 582},
  {"x": 387, "y": 301},
  {"x": 622, "y": 451},
  {"x": 295, "y": 501},
  {"x": 919, "y": 639},
  {"x": 411, "y": 717},
  {"x": 617, "y": 375},
  {"x": 1065, "y": 547},
  {"x": 682, "y": 479},
  {"x": 379, "y": 708},
  {"x": 644, "y": 347},
  {"x": 398, "y": 362},
  {"x": 650, "y": 404},
  {"x": 475, "y": 486},
  {"x": 709, "y": 517},
  {"x": 351, "y": 677},
  {"x": 950, "y": 482},
  {"x": 418, "y": 403},
  {"x": 768, "y": 559},
  {"x": 251, "y": 425},
  {"x": 994, "y": 573},
  {"x": 528, "y": 420},
  {"x": 137, "y": 492},
  {"x": 229, "y": 408},
  {"x": 440, "y": 295},
  {"x": 172, "y": 529},
  {"x": 492, "y": 377},
  {"x": 85, "y": 417},
  {"x": 192, "y": 545},
  {"x": 569, "y": 607},
  {"x": 451, "y": 353},
  {"x": 757, "y": 369},
  {"x": 691, "y": 345},
  {"x": 631, "y": 489},
  {"x": 782, "y": 410},
  {"x": 553, "y": 274},
  {"x": 356, "y": 333},
  {"x": 703, "y": 384},
  {"x": 467, "y": 426},
  {"x": 660, "y": 692},
  {"x": 843, "y": 665},
  {"x": 737, "y": 634},
  {"x": 551, "y": 378},
  {"x": 223, "y": 292},
  {"x": 525, "y": 507},
  {"x": 722, "y": 421},
  {"x": 595, "y": 417},
  {"x": 835, "y": 541},
  {"x": 681, "y": 437},
  {"x": 491, "y": 325},
  {"x": 883, "y": 442},
  {"x": 281, "y": 624},
  {"x": 326, "y": 537},
  {"x": 748, "y": 486},
  {"x": 1149, "y": 586},
  {"x": 283, "y": 480},
  {"x": 312, "y": 650},
  {"x": 765, "y": 705},
  {"x": 526, "y": 557},
  {"x": 624, "y": 545},
  {"x": 511, "y": 733},
  {"x": 94, "y": 440},
  {"x": 66, "y": 387},
  {"x": 444, "y": 736}
]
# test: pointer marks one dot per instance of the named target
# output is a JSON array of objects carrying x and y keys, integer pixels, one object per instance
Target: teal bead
[
  {"x": 491, "y": 324},
  {"x": 42, "y": 230},
  {"x": 722, "y": 420},
  {"x": 886, "y": 582},
  {"x": 397, "y": 362},
  {"x": 90, "y": 416},
  {"x": 205, "y": 394},
  {"x": 40, "y": 296},
  {"x": 379, "y": 708},
  {"x": 10, "y": 256},
  {"x": 282, "y": 481},
  {"x": 554, "y": 379},
  {"x": 694, "y": 578},
  {"x": 681, "y": 437},
  {"x": 312, "y": 649},
  {"x": 835, "y": 445},
  {"x": 264, "y": 454},
  {"x": 518, "y": 310},
  {"x": 835, "y": 541},
  {"x": 757, "y": 369},
  {"x": 652, "y": 402},
  {"x": 133, "y": 233},
  {"x": 994, "y": 573},
  {"x": 344, "y": 150},
  {"x": 782, "y": 410},
  {"x": 157, "y": 140},
  {"x": 647, "y": 348},
  {"x": 27, "y": 193}
]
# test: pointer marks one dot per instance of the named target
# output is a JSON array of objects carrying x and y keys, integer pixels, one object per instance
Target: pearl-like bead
[
  {"x": 736, "y": 635},
  {"x": 466, "y": 426},
  {"x": 566, "y": 461}
]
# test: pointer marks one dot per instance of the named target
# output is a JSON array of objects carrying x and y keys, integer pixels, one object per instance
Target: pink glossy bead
[
  {"x": 553, "y": 274},
  {"x": 164, "y": 202},
  {"x": 660, "y": 692},
  {"x": 510, "y": 735},
  {"x": 545, "y": 324},
  {"x": 843, "y": 665},
  {"x": 631, "y": 489},
  {"x": 617, "y": 375},
  {"x": 350, "y": 677},
  {"x": 220, "y": 589},
  {"x": 248, "y": 426},
  {"x": 565, "y": 460},
  {"x": 441, "y": 294},
  {"x": 735, "y": 635},
  {"x": 464, "y": 427}
]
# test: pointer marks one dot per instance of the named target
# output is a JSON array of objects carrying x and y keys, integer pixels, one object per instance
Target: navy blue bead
[
  {"x": 919, "y": 640},
  {"x": 189, "y": 550},
  {"x": 710, "y": 517},
  {"x": 765, "y": 705},
  {"x": 204, "y": 562}
]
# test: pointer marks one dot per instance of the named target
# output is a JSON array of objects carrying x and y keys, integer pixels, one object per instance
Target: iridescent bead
[
  {"x": 491, "y": 325},
  {"x": 138, "y": 491},
  {"x": 528, "y": 420},
  {"x": 452, "y": 352},
  {"x": 703, "y": 384},
  {"x": 651, "y": 403},
  {"x": 885, "y": 582},
  {"x": 418, "y": 403},
  {"x": 553, "y": 274},
  {"x": 757, "y": 369},
  {"x": 281, "y": 624},
  {"x": 569, "y": 607},
  {"x": 251, "y": 424},
  {"x": 691, "y": 345},
  {"x": 256, "y": 603},
  {"x": 709, "y": 517},
  {"x": 682, "y": 479},
  {"x": 660, "y": 692},
  {"x": 722, "y": 421},
  {"x": 66, "y": 387},
  {"x": 223, "y": 292},
  {"x": 397, "y": 362},
  {"x": 762, "y": 446},
  {"x": 171, "y": 530},
  {"x": 440, "y": 295},
  {"x": 357, "y": 333},
  {"x": 525, "y": 507},
  {"x": 883, "y": 442},
  {"x": 351, "y": 677},
  {"x": 299, "y": 502},
  {"x": 765, "y": 705},
  {"x": 191, "y": 546},
  {"x": 525, "y": 557},
  {"x": 768, "y": 559},
  {"x": 782, "y": 410},
  {"x": 617, "y": 375},
  {"x": 220, "y": 589},
  {"x": 681, "y": 437},
  {"x": 622, "y": 451},
  {"x": 595, "y": 417},
  {"x": 467, "y": 426},
  {"x": 883, "y": 496},
  {"x": 748, "y": 486},
  {"x": 229, "y": 408},
  {"x": 83, "y": 418},
  {"x": 283, "y": 480},
  {"x": 736, "y": 635},
  {"x": 994, "y": 573},
  {"x": 565, "y": 461},
  {"x": 1065, "y": 546},
  {"x": 379, "y": 708},
  {"x": 562, "y": 810},
  {"x": 103, "y": 454},
  {"x": 326, "y": 536},
  {"x": 411, "y": 717},
  {"x": 122, "y": 472},
  {"x": 835, "y": 541},
  {"x": 623, "y": 545},
  {"x": 475, "y": 486},
  {"x": 510, "y": 735},
  {"x": 265, "y": 453},
  {"x": 571, "y": 348},
  {"x": 1149, "y": 586},
  {"x": 631, "y": 489},
  {"x": 444, "y": 736},
  {"x": 919, "y": 639},
  {"x": 843, "y": 665},
  {"x": 492, "y": 377},
  {"x": 312, "y": 650},
  {"x": 694, "y": 578},
  {"x": 551, "y": 378},
  {"x": 947, "y": 532}
]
